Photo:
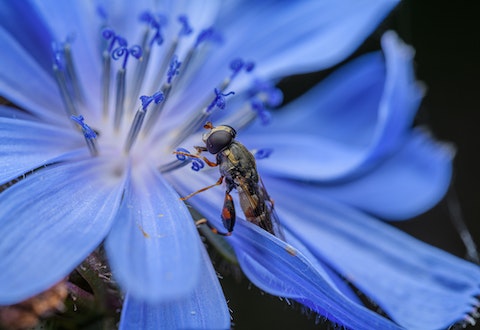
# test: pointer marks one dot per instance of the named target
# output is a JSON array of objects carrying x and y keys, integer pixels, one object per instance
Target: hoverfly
[{"x": 239, "y": 171}]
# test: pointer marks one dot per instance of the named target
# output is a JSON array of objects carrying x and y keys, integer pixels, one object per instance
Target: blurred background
[{"x": 446, "y": 37}]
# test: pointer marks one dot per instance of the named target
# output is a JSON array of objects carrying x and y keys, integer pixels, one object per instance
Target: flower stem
[{"x": 98, "y": 276}]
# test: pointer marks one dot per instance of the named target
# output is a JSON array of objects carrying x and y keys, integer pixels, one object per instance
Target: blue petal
[
  {"x": 25, "y": 83},
  {"x": 419, "y": 286},
  {"x": 359, "y": 115},
  {"x": 404, "y": 185},
  {"x": 26, "y": 145},
  {"x": 14, "y": 113},
  {"x": 50, "y": 221},
  {"x": 151, "y": 246},
  {"x": 204, "y": 308},
  {"x": 273, "y": 266},
  {"x": 22, "y": 21},
  {"x": 292, "y": 37},
  {"x": 409, "y": 183}
]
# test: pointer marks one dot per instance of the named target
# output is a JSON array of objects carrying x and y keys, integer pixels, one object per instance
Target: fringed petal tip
[
  {"x": 417, "y": 285},
  {"x": 445, "y": 149},
  {"x": 283, "y": 270}
]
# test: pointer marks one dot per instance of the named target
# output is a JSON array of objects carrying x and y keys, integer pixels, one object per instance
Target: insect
[{"x": 239, "y": 171}]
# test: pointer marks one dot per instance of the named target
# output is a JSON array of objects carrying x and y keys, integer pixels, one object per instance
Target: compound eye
[{"x": 217, "y": 141}]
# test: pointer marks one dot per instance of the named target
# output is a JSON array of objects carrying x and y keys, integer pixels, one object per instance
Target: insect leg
[
  {"x": 219, "y": 182},
  {"x": 208, "y": 125},
  {"x": 200, "y": 149},
  {"x": 212, "y": 227}
]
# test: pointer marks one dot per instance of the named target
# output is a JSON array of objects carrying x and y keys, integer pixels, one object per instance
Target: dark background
[{"x": 446, "y": 36}]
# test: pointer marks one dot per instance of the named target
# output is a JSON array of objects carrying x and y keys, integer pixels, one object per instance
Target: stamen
[
  {"x": 209, "y": 34},
  {"x": 59, "y": 68},
  {"x": 157, "y": 38},
  {"x": 88, "y": 133},
  {"x": 72, "y": 72},
  {"x": 218, "y": 101},
  {"x": 106, "y": 82},
  {"x": 108, "y": 34},
  {"x": 270, "y": 94},
  {"x": 157, "y": 110},
  {"x": 139, "y": 118},
  {"x": 236, "y": 66},
  {"x": 123, "y": 51},
  {"x": 262, "y": 95},
  {"x": 186, "y": 28},
  {"x": 205, "y": 35},
  {"x": 184, "y": 31},
  {"x": 173, "y": 69},
  {"x": 141, "y": 69},
  {"x": 117, "y": 53},
  {"x": 119, "y": 98}
]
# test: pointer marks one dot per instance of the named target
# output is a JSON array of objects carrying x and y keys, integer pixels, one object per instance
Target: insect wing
[
  {"x": 277, "y": 228},
  {"x": 258, "y": 207}
]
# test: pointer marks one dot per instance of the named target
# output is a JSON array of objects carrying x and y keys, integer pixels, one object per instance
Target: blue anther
[
  {"x": 219, "y": 100},
  {"x": 263, "y": 153},
  {"x": 186, "y": 28},
  {"x": 146, "y": 17},
  {"x": 180, "y": 156},
  {"x": 146, "y": 100},
  {"x": 208, "y": 34},
  {"x": 123, "y": 51},
  {"x": 272, "y": 96},
  {"x": 157, "y": 38},
  {"x": 275, "y": 98},
  {"x": 156, "y": 22},
  {"x": 87, "y": 131},
  {"x": 173, "y": 68},
  {"x": 110, "y": 34},
  {"x": 249, "y": 66},
  {"x": 236, "y": 65},
  {"x": 197, "y": 164},
  {"x": 264, "y": 115}
]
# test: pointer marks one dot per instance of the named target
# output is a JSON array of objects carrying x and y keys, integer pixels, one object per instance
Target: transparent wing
[{"x": 258, "y": 207}]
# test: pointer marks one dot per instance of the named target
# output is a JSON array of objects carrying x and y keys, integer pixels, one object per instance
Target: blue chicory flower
[{"x": 70, "y": 198}]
